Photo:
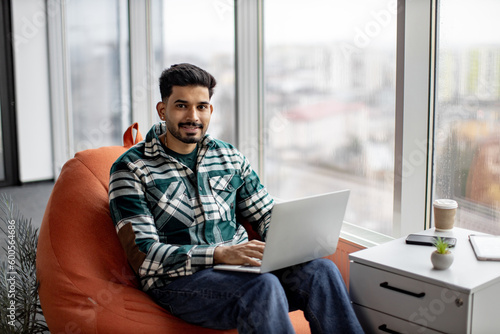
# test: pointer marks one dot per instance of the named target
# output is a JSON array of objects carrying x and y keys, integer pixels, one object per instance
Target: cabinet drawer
[
  {"x": 380, "y": 323},
  {"x": 409, "y": 299}
]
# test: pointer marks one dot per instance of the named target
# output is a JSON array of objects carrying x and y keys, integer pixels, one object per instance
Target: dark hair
[{"x": 185, "y": 75}]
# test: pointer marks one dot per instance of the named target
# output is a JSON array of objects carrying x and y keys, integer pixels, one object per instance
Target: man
[{"x": 177, "y": 200}]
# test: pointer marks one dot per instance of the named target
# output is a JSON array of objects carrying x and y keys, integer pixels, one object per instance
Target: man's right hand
[{"x": 245, "y": 253}]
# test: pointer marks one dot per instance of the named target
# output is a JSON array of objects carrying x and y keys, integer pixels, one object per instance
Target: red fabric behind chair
[{"x": 86, "y": 284}]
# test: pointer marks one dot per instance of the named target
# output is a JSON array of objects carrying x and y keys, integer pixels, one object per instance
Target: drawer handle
[
  {"x": 386, "y": 285},
  {"x": 384, "y": 328}
]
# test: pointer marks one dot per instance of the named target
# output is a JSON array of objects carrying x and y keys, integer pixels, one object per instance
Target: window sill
[{"x": 362, "y": 236}]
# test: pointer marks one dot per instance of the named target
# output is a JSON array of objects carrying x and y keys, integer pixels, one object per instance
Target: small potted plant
[{"x": 442, "y": 257}]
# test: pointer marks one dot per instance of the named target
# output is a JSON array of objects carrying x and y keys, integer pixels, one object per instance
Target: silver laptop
[{"x": 300, "y": 230}]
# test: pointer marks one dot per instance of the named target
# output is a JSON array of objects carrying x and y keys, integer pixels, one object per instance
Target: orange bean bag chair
[{"x": 86, "y": 284}]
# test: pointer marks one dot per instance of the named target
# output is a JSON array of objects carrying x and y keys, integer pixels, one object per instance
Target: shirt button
[{"x": 200, "y": 188}]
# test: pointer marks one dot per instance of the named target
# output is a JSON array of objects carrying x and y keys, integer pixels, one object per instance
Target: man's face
[{"x": 187, "y": 113}]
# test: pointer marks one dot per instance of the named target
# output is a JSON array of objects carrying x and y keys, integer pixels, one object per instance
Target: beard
[{"x": 187, "y": 139}]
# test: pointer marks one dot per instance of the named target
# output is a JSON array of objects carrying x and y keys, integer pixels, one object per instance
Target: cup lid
[{"x": 445, "y": 204}]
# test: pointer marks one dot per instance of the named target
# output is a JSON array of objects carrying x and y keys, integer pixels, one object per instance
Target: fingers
[
  {"x": 252, "y": 262},
  {"x": 246, "y": 253},
  {"x": 254, "y": 250},
  {"x": 256, "y": 245}
]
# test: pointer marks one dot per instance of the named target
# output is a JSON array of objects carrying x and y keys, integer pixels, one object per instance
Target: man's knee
[
  {"x": 323, "y": 267},
  {"x": 322, "y": 264},
  {"x": 328, "y": 271}
]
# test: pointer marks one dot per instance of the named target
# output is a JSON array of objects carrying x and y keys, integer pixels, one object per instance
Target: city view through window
[
  {"x": 467, "y": 130},
  {"x": 330, "y": 103}
]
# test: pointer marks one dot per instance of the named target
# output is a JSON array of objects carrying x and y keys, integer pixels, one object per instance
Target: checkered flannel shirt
[{"x": 169, "y": 218}]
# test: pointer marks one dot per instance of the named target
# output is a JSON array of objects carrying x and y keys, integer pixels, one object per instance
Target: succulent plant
[{"x": 441, "y": 245}]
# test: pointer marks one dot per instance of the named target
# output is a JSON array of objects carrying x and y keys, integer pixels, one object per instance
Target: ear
[
  {"x": 211, "y": 109},
  {"x": 161, "y": 109}
]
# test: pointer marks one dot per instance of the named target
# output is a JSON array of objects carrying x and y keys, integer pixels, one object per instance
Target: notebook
[
  {"x": 300, "y": 230},
  {"x": 486, "y": 247}
]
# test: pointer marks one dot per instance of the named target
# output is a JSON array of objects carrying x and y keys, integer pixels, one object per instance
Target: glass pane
[
  {"x": 200, "y": 32},
  {"x": 467, "y": 121},
  {"x": 98, "y": 42},
  {"x": 330, "y": 103}
]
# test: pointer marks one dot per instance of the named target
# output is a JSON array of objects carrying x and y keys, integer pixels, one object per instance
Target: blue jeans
[{"x": 259, "y": 303}]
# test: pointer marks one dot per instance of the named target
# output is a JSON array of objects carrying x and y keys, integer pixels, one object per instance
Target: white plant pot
[{"x": 442, "y": 261}]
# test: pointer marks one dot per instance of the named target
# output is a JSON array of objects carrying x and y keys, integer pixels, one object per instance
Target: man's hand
[{"x": 246, "y": 253}]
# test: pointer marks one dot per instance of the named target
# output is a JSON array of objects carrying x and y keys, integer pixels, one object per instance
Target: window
[
  {"x": 329, "y": 115},
  {"x": 98, "y": 58},
  {"x": 467, "y": 117},
  {"x": 200, "y": 32},
  {"x": 317, "y": 95}
]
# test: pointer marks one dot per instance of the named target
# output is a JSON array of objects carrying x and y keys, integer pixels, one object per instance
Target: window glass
[
  {"x": 467, "y": 119},
  {"x": 330, "y": 103},
  {"x": 98, "y": 45},
  {"x": 200, "y": 32}
]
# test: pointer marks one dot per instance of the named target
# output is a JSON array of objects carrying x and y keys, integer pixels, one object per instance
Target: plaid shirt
[{"x": 169, "y": 218}]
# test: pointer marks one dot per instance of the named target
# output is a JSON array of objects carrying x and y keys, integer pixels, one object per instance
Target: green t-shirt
[{"x": 186, "y": 159}]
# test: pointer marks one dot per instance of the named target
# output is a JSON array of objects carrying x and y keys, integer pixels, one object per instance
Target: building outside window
[
  {"x": 467, "y": 124},
  {"x": 330, "y": 103}
]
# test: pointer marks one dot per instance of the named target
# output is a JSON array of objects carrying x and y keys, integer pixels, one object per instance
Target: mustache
[{"x": 198, "y": 125}]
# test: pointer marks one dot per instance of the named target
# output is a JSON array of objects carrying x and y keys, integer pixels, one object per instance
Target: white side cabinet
[{"x": 394, "y": 289}]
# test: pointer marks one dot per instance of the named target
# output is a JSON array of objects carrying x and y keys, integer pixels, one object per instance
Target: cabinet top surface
[{"x": 466, "y": 273}]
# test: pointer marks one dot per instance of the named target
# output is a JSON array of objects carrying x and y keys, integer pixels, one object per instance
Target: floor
[{"x": 30, "y": 199}]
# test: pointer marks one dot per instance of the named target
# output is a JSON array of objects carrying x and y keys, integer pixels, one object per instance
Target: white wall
[{"x": 31, "y": 71}]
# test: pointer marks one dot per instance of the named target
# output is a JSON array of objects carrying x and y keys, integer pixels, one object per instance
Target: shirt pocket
[
  {"x": 224, "y": 189},
  {"x": 171, "y": 206}
]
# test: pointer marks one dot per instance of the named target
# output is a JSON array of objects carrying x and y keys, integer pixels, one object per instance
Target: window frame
[
  {"x": 60, "y": 90},
  {"x": 413, "y": 169},
  {"x": 249, "y": 62},
  {"x": 143, "y": 83},
  {"x": 8, "y": 101}
]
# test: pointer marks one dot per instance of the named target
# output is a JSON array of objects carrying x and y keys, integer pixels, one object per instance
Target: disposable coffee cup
[{"x": 444, "y": 214}]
